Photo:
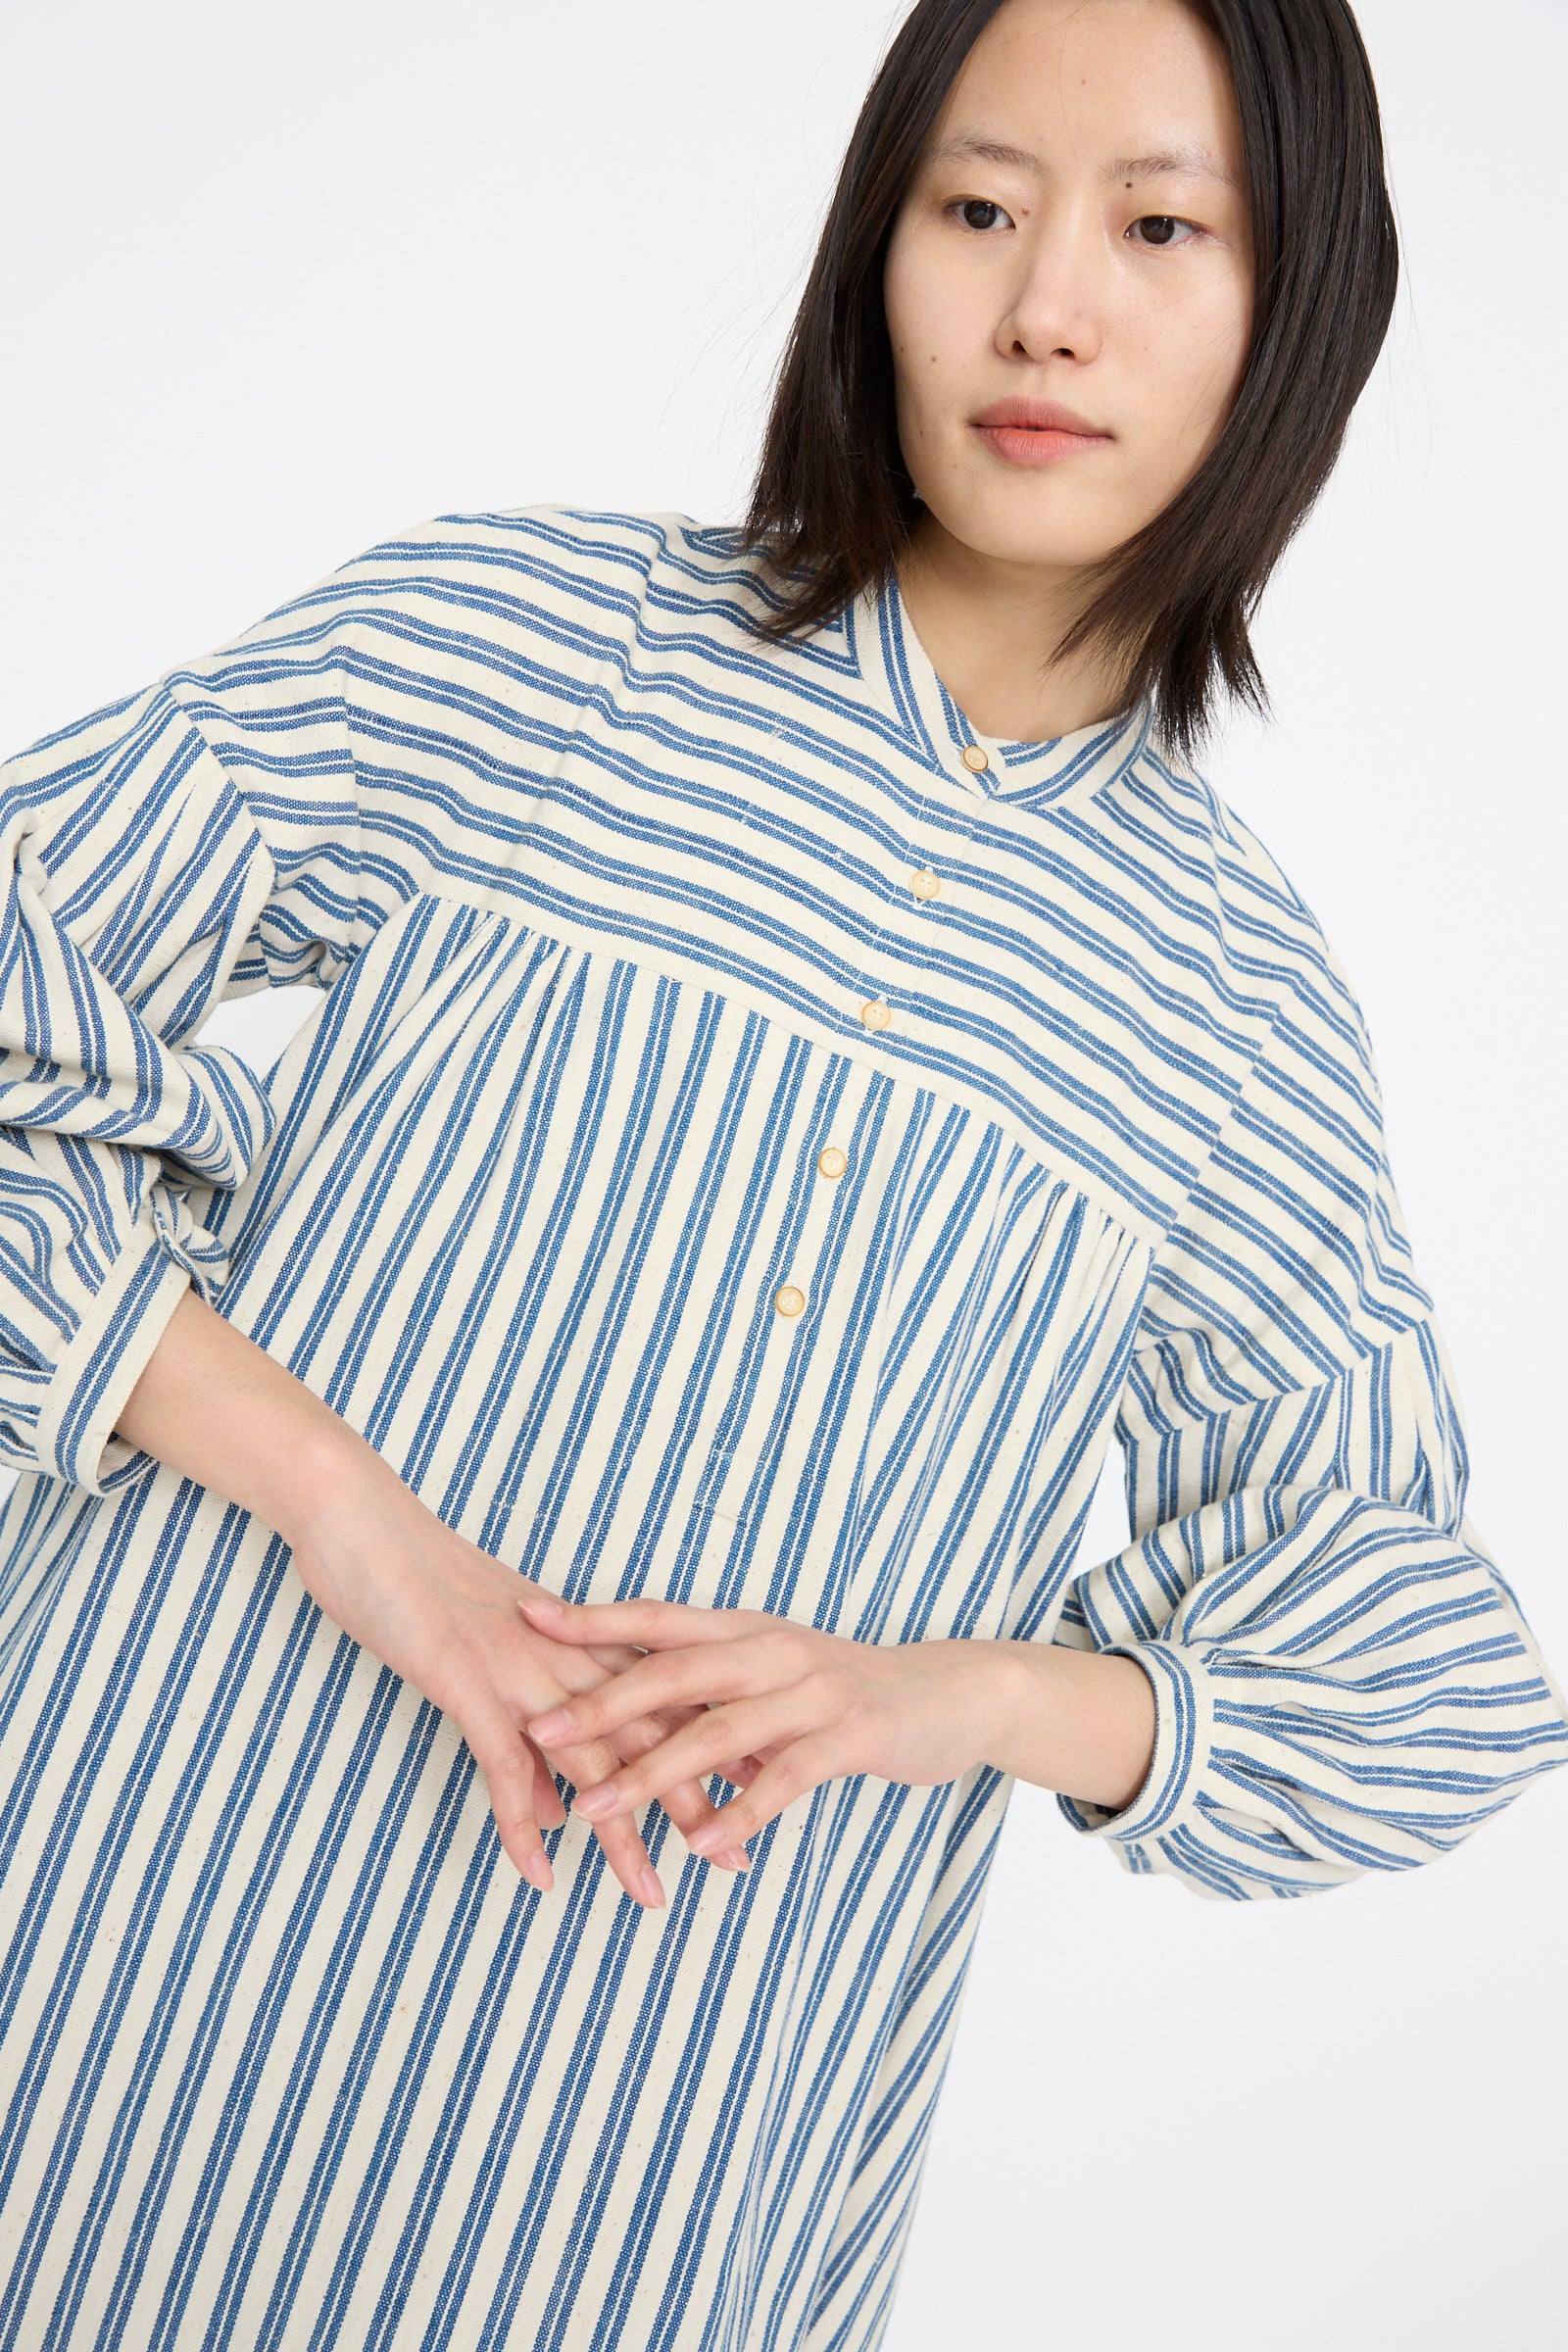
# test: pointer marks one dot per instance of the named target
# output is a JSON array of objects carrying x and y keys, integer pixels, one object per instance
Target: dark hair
[{"x": 832, "y": 505}]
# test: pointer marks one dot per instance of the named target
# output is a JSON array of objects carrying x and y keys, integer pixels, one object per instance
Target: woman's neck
[{"x": 987, "y": 629}]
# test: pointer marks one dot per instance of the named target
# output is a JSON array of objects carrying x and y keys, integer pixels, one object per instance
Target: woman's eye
[
  {"x": 980, "y": 215},
  {"x": 966, "y": 205},
  {"x": 1162, "y": 228}
]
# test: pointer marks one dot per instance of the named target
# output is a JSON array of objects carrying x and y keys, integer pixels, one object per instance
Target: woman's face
[{"x": 1076, "y": 234}]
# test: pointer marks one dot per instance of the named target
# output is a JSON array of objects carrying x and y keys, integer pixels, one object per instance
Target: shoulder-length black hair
[{"x": 832, "y": 503}]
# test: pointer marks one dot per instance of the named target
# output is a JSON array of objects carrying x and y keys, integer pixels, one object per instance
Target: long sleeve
[
  {"x": 1343, "y": 1680},
  {"x": 198, "y": 839}
]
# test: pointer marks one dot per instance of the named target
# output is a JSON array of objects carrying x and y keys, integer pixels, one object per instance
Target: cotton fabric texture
[{"x": 596, "y": 889}]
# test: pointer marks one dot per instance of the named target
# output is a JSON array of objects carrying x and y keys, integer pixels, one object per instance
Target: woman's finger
[
  {"x": 549, "y": 1808},
  {"x": 687, "y": 1803},
  {"x": 798, "y": 1768},
  {"x": 613, "y": 1656},
  {"x": 688, "y": 1806},
  {"x": 663, "y": 1681},
  {"x": 646, "y": 1624},
  {"x": 507, "y": 1760},
  {"x": 628, "y": 1857},
  {"x": 584, "y": 1761},
  {"x": 701, "y": 1747}
]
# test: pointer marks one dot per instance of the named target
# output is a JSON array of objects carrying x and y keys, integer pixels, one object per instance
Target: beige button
[
  {"x": 975, "y": 758},
  {"x": 926, "y": 885},
  {"x": 832, "y": 1161},
  {"x": 789, "y": 1300},
  {"x": 876, "y": 1016}
]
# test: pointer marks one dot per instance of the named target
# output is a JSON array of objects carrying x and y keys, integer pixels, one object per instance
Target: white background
[{"x": 278, "y": 282}]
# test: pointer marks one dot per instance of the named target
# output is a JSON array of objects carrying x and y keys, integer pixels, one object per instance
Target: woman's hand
[
  {"x": 444, "y": 1615},
  {"x": 812, "y": 1706}
]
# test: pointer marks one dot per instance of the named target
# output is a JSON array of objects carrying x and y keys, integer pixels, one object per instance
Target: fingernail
[
  {"x": 649, "y": 1889},
  {"x": 736, "y": 1856},
  {"x": 598, "y": 1801},
  {"x": 708, "y": 1839},
  {"x": 551, "y": 1727},
  {"x": 548, "y": 1604},
  {"x": 538, "y": 1873}
]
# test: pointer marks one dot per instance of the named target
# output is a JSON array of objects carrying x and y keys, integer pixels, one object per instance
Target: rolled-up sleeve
[
  {"x": 133, "y": 877},
  {"x": 1344, "y": 1680},
  {"x": 198, "y": 839}
]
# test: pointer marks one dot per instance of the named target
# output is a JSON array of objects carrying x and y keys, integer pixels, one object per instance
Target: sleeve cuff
[
  {"x": 92, "y": 1383},
  {"x": 1183, "y": 1732}
]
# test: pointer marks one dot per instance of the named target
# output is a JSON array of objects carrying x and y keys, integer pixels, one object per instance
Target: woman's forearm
[{"x": 219, "y": 1410}]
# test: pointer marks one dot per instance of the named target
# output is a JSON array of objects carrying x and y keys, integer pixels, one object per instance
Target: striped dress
[{"x": 669, "y": 982}]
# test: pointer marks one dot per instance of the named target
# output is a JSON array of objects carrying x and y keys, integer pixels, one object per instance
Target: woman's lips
[{"x": 1033, "y": 445}]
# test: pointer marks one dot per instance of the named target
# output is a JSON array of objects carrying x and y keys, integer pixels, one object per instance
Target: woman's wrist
[
  {"x": 327, "y": 1479},
  {"x": 1074, "y": 1721}
]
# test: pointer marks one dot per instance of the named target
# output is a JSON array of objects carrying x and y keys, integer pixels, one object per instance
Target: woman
[{"x": 803, "y": 1058}]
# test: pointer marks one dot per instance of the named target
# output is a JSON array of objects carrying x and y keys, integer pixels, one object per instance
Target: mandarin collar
[{"x": 898, "y": 675}]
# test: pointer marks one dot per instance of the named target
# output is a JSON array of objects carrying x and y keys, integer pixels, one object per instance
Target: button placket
[
  {"x": 923, "y": 883},
  {"x": 746, "y": 1439},
  {"x": 791, "y": 1295}
]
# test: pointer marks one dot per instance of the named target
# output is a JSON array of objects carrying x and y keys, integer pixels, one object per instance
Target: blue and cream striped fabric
[{"x": 621, "y": 921}]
